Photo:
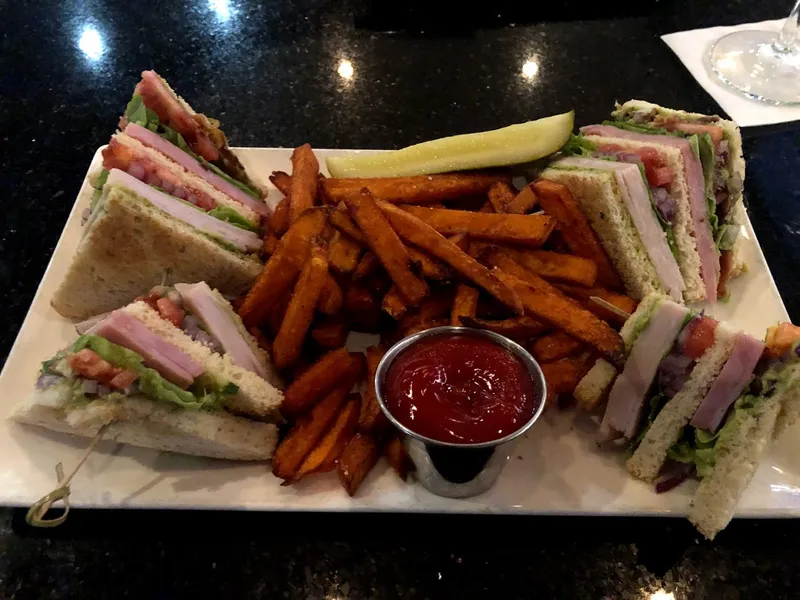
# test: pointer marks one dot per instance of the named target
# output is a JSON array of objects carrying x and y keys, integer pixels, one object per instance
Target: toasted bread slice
[
  {"x": 599, "y": 198},
  {"x": 139, "y": 421},
  {"x": 682, "y": 227},
  {"x": 132, "y": 246},
  {"x": 651, "y": 453},
  {"x": 717, "y": 496},
  {"x": 591, "y": 391}
]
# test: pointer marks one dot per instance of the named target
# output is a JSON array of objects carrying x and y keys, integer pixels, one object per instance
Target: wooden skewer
[
  {"x": 36, "y": 513},
  {"x": 608, "y": 306}
]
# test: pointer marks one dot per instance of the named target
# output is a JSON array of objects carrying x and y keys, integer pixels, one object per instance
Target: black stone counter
[{"x": 271, "y": 72}]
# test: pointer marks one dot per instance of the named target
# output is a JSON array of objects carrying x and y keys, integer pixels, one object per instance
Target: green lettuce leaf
[
  {"x": 656, "y": 403},
  {"x": 226, "y": 213},
  {"x": 137, "y": 112},
  {"x": 150, "y": 382},
  {"x": 643, "y": 128},
  {"x": 577, "y": 145}
]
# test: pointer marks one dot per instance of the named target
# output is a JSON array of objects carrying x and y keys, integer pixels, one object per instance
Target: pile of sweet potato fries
[{"x": 394, "y": 256}]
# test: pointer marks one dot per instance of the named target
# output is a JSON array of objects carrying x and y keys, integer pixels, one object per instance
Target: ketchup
[{"x": 460, "y": 389}]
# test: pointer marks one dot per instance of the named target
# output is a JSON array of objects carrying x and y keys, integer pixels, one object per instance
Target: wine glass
[{"x": 761, "y": 64}]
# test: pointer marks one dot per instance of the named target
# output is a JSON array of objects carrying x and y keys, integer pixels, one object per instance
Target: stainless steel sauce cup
[{"x": 460, "y": 470}]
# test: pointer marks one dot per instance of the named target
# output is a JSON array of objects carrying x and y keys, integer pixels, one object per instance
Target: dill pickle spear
[{"x": 510, "y": 145}]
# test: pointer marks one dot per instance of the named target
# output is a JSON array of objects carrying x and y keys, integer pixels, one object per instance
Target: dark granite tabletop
[{"x": 269, "y": 71}]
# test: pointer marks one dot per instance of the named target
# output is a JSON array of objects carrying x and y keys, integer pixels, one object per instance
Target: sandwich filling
[
  {"x": 636, "y": 198},
  {"x": 120, "y": 358},
  {"x": 696, "y": 153},
  {"x": 202, "y": 315},
  {"x": 156, "y": 106},
  {"x": 225, "y": 231},
  {"x": 632, "y": 387}
]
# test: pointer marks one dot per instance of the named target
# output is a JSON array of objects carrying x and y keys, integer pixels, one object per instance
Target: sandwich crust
[{"x": 132, "y": 246}]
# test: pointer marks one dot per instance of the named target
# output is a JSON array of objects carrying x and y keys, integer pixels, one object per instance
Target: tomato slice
[
  {"x": 170, "y": 311},
  {"x": 700, "y": 337},
  {"x": 610, "y": 148},
  {"x": 715, "y": 131}
]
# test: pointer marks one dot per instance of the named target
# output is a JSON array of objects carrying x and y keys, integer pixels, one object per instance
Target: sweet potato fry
[
  {"x": 368, "y": 265},
  {"x": 429, "y": 266},
  {"x": 465, "y": 303},
  {"x": 502, "y": 258},
  {"x": 331, "y": 299},
  {"x": 300, "y": 312},
  {"x": 562, "y": 376},
  {"x": 281, "y": 269},
  {"x": 557, "y": 267},
  {"x": 357, "y": 459},
  {"x": 523, "y": 202},
  {"x": 780, "y": 338},
  {"x": 303, "y": 190},
  {"x": 424, "y": 189},
  {"x": 461, "y": 240},
  {"x": 557, "y": 243},
  {"x": 342, "y": 221},
  {"x": 275, "y": 315},
  {"x": 419, "y": 233},
  {"x": 425, "y": 325},
  {"x": 304, "y": 435},
  {"x": 323, "y": 456},
  {"x": 378, "y": 283},
  {"x": 527, "y": 230},
  {"x": 372, "y": 419},
  {"x": 279, "y": 219},
  {"x": 516, "y": 328},
  {"x": 282, "y": 181},
  {"x": 500, "y": 195},
  {"x": 556, "y": 200},
  {"x": 554, "y": 346},
  {"x": 270, "y": 245},
  {"x": 438, "y": 305},
  {"x": 343, "y": 253},
  {"x": 386, "y": 245},
  {"x": 395, "y": 454},
  {"x": 319, "y": 379},
  {"x": 363, "y": 309},
  {"x": 583, "y": 296},
  {"x": 393, "y": 303},
  {"x": 543, "y": 301},
  {"x": 330, "y": 332}
]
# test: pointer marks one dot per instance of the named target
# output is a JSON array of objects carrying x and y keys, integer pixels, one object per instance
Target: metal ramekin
[{"x": 460, "y": 470}]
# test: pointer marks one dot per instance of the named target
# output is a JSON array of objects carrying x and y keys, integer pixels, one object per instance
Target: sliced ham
[
  {"x": 709, "y": 260},
  {"x": 729, "y": 384},
  {"x": 243, "y": 240},
  {"x": 155, "y": 141},
  {"x": 218, "y": 321},
  {"x": 157, "y": 96},
  {"x": 630, "y": 390},
  {"x": 637, "y": 201},
  {"x": 171, "y": 362}
]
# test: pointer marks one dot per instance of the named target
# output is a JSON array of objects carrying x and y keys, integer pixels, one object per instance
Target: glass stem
[{"x": 787, "y": 39}]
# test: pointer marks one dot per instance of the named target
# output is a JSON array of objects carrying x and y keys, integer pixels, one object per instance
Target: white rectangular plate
[{"x": 554, "y": 470}]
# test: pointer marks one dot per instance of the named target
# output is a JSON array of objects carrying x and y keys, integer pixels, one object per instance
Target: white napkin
[{"x": 692, "y": 47}]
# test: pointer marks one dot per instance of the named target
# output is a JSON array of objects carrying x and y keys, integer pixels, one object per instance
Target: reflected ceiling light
[
  {"x": 91, "y": 43},
  {"x": 529, "y": 69},
  {"x": 345, "y": 69},
  {"x": 662, "y": 595},
  {"x": 222, "y": 8}
]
